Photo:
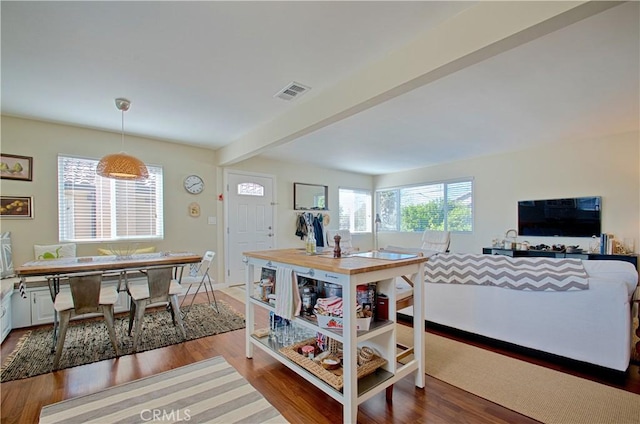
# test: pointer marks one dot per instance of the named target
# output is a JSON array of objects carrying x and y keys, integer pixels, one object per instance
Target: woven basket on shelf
[{"x": 333, "y": 379}]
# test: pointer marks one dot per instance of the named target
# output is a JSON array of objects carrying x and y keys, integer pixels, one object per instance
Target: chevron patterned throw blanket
[{"x": 532, "y": 273}]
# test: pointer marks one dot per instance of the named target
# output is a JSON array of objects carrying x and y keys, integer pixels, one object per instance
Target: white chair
[
  {"x": 86, "y": 295},
  {"x": 438, "y": 241},
  {"x": 199, "y": 275},
  {"x": 345, "y": 238},
  {"x": 433, "y": 242},
  {"x": 160, "y": 288},
  {"x": 346, "y": 244}
]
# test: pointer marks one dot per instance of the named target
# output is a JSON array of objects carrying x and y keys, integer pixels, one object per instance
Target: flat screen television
[{"x": 572, "y": 217}]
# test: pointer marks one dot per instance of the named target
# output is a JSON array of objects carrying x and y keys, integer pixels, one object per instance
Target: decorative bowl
[{"x": 330, "y": 363}]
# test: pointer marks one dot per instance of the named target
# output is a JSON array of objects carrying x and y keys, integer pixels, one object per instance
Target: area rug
[
  {"x": 206, "y": 391},
  {"x": 88, "y": 341},
  {"x": 540, "y": 393}
]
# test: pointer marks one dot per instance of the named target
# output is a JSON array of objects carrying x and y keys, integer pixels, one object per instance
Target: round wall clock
[{"x": 193, "y": 184}]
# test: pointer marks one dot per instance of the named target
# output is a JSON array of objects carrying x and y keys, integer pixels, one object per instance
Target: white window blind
[
  {"x": 354, "y": 210},
  {"x": 93, "y": 208},
  {"x": 439, "y": 206}
]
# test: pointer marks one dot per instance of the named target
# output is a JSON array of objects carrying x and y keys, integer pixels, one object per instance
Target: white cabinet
[
  {"x": 348, "y": 273},
  {"x": 41, "y": 307},
  {"x": 20, "y": 310},
  {"x": 5, "y": 313}
]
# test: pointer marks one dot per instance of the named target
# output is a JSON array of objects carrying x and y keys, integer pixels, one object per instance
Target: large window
[
  {"x": 354, "y": 207},
  {"x": 92, "y": 208},
  {"x": 441, "y": 206}
]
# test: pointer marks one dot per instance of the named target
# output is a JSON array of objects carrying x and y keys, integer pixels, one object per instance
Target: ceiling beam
[{"x": 476, "y": 34}]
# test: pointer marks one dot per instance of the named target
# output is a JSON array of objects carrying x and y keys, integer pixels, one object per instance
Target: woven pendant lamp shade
[{"x": 121, "y": 166}]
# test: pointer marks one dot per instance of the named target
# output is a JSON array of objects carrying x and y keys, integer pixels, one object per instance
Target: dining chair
[
  {"x": 86, "y": 295},
  {"x": 160, "y": 288},
  {"x": 199, "y": 275}
]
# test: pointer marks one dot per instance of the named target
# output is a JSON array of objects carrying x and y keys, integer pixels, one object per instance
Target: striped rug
[{"x": 209, "y": 391}]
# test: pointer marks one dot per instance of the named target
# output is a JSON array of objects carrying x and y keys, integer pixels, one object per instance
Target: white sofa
[{"x": 592, "y": 325}]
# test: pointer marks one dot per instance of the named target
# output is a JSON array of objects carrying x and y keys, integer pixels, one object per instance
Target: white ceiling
[{"x": 204, "y": 74}]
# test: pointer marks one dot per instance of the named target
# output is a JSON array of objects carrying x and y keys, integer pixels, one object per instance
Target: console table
[
  {"x": 348, "y": 272},
  {"x": 553, "y": 254}
]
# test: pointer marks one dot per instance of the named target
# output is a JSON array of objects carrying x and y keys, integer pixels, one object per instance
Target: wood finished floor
[{"x": 297, "y": 401}]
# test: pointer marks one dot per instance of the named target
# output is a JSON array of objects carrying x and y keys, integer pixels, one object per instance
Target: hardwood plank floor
[{"x": 297, "y": 401}]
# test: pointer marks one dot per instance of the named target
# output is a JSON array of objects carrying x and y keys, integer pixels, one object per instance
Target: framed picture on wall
[
  {"x": 14, "y": 167},
  {"x": 16, "y": 207}
]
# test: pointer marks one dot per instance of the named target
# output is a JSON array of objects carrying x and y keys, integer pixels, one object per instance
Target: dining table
[{"x": 56, "y": 269}]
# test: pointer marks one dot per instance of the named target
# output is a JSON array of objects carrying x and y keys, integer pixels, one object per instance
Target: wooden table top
[
  {"x": 352, "y": 264},
  {"x": 104, "y": 263}
]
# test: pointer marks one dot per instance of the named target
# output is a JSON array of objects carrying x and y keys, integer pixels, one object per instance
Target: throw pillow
[
  {"x": 54, "y": 251},
  {"x": 6, "y": 260},
  {"x": 109, "y": 252}
]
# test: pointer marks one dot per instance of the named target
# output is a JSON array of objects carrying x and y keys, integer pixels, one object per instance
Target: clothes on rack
[
  {"x": 301, "y": 227},
  {"x": 318, "y": 230},
  {"x": 306, "y": 222}
]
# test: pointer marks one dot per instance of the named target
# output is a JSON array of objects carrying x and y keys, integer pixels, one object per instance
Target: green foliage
[
  {"x": 459, "y": 218},
  {"x": 431, "y": 216}
]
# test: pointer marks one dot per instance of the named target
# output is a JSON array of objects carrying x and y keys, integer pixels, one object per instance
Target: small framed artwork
[
  {"x": 16, "y": 207},
  {"x": 14, "y": 167}
]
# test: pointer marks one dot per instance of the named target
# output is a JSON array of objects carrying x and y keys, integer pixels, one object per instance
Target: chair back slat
[
  {"x": 159, "y": 280},
  {"x": 85, "y": 290}
]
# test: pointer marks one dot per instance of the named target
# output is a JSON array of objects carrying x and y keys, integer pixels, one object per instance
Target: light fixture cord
[{"x": 122, "y": 111}]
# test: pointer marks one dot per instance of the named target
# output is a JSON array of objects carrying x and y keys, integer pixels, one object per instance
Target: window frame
[
  {"x": 113, "y": 192},
  {"x": 445, "y": 184}
]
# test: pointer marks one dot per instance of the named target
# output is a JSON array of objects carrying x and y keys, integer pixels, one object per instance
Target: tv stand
[{"x": 559, "y": 254}]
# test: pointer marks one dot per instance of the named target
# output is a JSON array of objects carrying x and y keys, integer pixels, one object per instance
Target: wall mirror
[{"x": 310, "y": 197}]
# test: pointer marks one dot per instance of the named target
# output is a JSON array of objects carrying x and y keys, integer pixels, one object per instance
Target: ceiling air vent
[{"x": 292, "y": 91}]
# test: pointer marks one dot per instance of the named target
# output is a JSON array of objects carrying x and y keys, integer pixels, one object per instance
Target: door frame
[{"x": 225, "y": 232}]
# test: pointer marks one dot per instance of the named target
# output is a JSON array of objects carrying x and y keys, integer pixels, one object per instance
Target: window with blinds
[
  {"x": 354, "y": 208},
  {"x": 444, "y": 206},
  {"x": 93, "y": 208}
]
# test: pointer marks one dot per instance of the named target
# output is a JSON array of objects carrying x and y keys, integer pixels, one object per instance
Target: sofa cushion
[{"x": 613, "y": 270}]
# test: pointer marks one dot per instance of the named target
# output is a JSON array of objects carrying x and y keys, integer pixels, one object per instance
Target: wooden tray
[{"x": 333, "y": 378}]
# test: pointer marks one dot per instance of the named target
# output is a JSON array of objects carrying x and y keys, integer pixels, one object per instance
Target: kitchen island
[{"x": 347, "y": 272}]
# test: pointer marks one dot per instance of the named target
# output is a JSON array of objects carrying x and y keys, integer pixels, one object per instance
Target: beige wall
[
  {"x": 604, "y": 166},
  {"x": 608, "y": 167},
  {"x": 43, "y": 141},
  {"x": 286, "y": 174}
]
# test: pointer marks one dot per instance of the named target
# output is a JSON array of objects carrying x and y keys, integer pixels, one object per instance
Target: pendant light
[{"x": 121, "y": 166}]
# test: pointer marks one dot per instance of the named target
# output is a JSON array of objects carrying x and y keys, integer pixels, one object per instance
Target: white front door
[{"x": 249, "y": 220}]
